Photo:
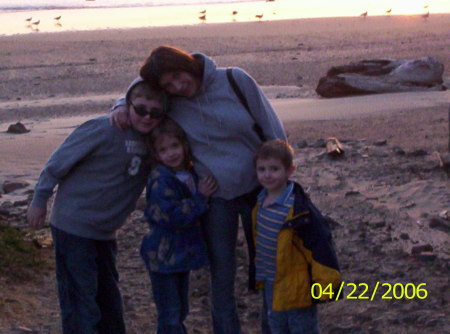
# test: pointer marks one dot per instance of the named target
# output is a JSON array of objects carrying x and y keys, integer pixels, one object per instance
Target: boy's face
[
  {"x": 149, "y": 114},
  {"x": 272, "y": 174}
]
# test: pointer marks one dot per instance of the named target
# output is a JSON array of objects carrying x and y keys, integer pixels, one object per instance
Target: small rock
[
  {"x": 417, "y": 153},
  {"x": 380, "y": 142},
  {"x": 404, "y": 236},
  {"x": 4, "y": 212},
  {"x": 20, "y": 203},
  {"x": 17, "y": 128},
  {"x": 444, "y": 215},
  {"x": 377, "y": 224},
  {"x": 10, "y": 186},
  {"x": 398, "y": 150},
  {"x": 426, "y": 256},
  {"x": 440, "y": 224},
  {"x": 421, "y": 248}
]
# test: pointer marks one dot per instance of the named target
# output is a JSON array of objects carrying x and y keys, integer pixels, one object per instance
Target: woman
[{"x": 221, "y": 134}]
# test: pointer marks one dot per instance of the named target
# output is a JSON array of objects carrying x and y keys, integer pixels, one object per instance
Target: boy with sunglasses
[{"x": 100, "y": 171}]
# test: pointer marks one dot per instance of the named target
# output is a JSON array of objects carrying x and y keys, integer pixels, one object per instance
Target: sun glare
[{"x": 409, "y": 6}]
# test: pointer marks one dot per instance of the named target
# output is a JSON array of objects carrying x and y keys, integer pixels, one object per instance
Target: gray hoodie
[
  {"x": 220, "y": 129},
  {"x": 100, "y": 172}
]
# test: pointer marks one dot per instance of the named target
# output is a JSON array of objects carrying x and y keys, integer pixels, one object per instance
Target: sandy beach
[{"x": 383, "y": 193}]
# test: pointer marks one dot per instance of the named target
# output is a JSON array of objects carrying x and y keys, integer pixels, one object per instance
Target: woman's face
[{"x": 179, "y": 83}]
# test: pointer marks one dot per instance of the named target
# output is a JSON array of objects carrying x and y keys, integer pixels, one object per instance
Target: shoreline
[
  {"x": 40, "y": 74},
  {"x": 101, "y": 18}
]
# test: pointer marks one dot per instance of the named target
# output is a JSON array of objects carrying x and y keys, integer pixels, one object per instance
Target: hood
[
  {"x": 209, "y": 70},
  {"x": 130, "y": 88}
]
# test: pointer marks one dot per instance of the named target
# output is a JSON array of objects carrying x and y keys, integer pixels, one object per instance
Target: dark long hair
[{"x": 165, "y": 59}]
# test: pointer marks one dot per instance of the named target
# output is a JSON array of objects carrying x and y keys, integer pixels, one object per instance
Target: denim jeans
[
  {"x": 295, "y": 321},
  {"x": 221, "y": 229},
  {"x": 171, "y": 296},
  {"x": 89, "y": 295}
]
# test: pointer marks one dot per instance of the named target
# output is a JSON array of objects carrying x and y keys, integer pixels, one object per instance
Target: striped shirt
[{"x": 269, "y": 221}]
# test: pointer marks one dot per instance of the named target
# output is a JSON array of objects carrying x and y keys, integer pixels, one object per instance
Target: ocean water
[
  {"x": 66, "y": 4},
  {"x": 106, "y": 14}
]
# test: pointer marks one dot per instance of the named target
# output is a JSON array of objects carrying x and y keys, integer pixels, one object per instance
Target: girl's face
[
  {"x": 179, "y": 83},
  {"x": 170, "y": 152}
]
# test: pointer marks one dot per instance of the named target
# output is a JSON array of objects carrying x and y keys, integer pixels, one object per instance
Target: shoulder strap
[{"x": 244, "y": 102}]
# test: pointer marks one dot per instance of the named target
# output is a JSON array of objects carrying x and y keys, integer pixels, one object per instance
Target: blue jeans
[
  {"x": 221, "y": 228},
  {"x": 171, "y": 296},
  {"x": 295, "y": 321},
  {"x": 89, "y": 295}
]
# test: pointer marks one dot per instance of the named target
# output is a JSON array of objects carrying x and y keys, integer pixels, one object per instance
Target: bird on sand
[
  {"x": 29, "y": 19},
  {"x": 364, "y": 14},
  {"x": 259, "y": 16},
  {"x": 389, "y": 11},
  {"x": 36, "y": 23},
  {"x": 202, "y": 18},
  {"x": 203, "y": 11},
  {"x": 234, "y": 12},
  {"x": 57, "y": 18}
]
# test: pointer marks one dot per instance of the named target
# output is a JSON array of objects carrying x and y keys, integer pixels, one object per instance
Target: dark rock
[
  {"x": 377, "y": 224},
  {"x": 380, "y": 142},
  {"x": 404, "y": 236},
  {"x": 440, "y": 224},
  {"x": 4, "y": 212},
  {"x": 421, "y": 248},
  {"x": 352, "y": 193},
  {"x": 426, "y": 256},
  {"x": 382, "y": 76},
  {"x": 398, "y": 150},
  {"x": 417, "y": 153},
  {"x": 20, "y": 203},
  {"x": 10, "y": 186},
  {"x": 17, "y": 128}
]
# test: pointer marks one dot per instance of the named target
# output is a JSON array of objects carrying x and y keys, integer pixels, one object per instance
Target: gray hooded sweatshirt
[
  {"x": 220, "y": 130},
  {"x": 100, "y": 172}
]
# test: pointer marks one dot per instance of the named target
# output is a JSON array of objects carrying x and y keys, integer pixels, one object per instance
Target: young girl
[{"x": 175, "y": 201}]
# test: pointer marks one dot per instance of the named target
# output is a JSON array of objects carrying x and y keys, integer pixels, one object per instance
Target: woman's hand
[
  {"x": 36, "y": 216},
  {"x": 207, "y": 185},
  {"x": 120, "y": 117}
]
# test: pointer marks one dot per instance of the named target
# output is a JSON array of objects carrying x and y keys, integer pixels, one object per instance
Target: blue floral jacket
[{"x": 175, "y": 242}]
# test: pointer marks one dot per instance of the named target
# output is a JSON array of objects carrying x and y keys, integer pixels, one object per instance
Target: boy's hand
[
  {"x": 207, "y": 185},
  {"x": 120, "y": 117},
  {"x": 36, "y": 216}
]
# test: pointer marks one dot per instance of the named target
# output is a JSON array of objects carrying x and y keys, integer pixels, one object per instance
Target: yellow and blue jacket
[{"x": 305, "y": 255}]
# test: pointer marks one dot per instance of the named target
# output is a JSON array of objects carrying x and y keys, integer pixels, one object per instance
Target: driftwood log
[{"x": 382, "y": 76}]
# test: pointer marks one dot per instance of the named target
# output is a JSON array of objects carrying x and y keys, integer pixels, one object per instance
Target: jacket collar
[{"x": 301, "y": 203}]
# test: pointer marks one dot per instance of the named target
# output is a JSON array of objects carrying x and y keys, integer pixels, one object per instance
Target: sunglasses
[{"x": 155, "y": 113}]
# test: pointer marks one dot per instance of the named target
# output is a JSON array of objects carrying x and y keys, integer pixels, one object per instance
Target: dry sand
[{"x": 382, "y": 199}]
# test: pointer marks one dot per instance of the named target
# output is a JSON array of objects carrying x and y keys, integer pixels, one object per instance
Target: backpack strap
[{"x": 244, "y": 102}]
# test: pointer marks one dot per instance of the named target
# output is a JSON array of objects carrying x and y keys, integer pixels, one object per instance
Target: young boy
[
  {"x": 100, "y": 172},
  {"x": 293, "y": 244}
]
